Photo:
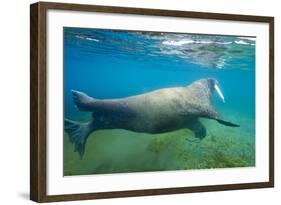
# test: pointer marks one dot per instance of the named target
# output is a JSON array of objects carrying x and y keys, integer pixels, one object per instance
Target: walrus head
[
  {"x": 202, "y": 91},
  {"x": 207, "y": 86}
]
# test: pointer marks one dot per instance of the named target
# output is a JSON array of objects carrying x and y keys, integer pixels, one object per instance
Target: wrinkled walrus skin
[{"x": 159, "y": 111}]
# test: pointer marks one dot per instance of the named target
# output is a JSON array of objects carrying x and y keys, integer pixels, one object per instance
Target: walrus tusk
[{"x": 217, "y": 88}]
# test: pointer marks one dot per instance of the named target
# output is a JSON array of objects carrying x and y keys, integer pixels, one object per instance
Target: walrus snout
[
  {"x": 212, "y": 82},
  {"x": 213, "y": 85},
  {"x": 206, "y": 83}
]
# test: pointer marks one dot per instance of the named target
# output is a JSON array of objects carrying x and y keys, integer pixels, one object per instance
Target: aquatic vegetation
[
  {"x": 119, "y": 151},
  {"x": 220, "y": 151}
]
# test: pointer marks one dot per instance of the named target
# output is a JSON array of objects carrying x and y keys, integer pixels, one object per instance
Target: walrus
[{"x": 158, "y": 111}]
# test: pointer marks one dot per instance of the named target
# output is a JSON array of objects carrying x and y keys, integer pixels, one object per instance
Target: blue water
[{"x": 109, "y": 64}]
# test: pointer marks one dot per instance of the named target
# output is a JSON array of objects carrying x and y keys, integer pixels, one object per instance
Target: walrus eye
[{"x": 217, "y": 88}]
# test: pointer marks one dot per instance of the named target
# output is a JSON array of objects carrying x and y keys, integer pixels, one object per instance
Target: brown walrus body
[{"x": 158, "y": 111}]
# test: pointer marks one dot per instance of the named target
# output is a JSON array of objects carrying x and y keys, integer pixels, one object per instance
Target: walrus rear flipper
[
  {"x": 82, "y": 101},
  {"x": 78, "y": 134},
  {"x": 227, "y": 123}
]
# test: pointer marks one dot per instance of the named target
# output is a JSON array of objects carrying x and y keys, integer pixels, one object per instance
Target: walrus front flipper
[
  {"x": 78, "y": 134},
  {"x": 212, "y": 114},
  {"x": 227, "y": 123},
  {"x": 198, "y": 128}
]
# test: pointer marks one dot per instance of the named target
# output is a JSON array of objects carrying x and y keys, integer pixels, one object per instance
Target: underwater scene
[{"x": 142, "y": 101}]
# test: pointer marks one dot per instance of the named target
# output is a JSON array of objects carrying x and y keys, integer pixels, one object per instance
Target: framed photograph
[{"x": 134, "y": 102}]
